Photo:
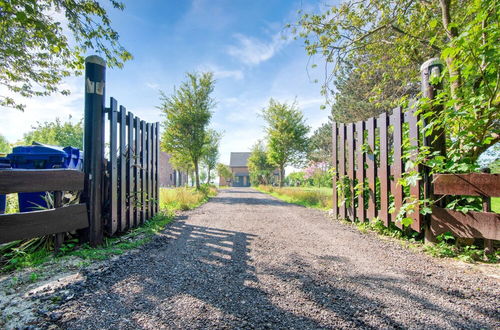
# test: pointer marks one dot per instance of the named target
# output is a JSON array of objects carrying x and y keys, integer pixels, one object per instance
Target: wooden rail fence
[{"x": 43, "y": 222}]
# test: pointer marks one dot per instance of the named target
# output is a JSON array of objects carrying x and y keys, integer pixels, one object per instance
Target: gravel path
[{"x": 247, "y": 260}]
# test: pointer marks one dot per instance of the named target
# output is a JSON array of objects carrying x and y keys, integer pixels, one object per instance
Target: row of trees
[
  {"x": 56, "y": 132},
  {"x": 187, "y": 136}
]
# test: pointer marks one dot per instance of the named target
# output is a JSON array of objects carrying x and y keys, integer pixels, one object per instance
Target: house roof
[{"x": 239, "y": 159}]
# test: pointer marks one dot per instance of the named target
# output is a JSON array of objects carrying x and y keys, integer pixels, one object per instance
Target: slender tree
[
  {"x": 36, "y": 53},
  {"x": 187, "y": 116},
  {"x": 224, "y": 171},
  {"x": 211, "y": 152},
  {"x": 286, "y": 135},
  {"x": 261, "y": 170}
]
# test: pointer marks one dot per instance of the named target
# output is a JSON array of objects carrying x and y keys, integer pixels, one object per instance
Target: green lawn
[{"x": 495, "y": 204}]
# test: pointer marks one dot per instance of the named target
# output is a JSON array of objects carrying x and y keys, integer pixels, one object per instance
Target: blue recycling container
[
  {"x": 42, "y": 157},
  {"x": 4, "y": 163}
]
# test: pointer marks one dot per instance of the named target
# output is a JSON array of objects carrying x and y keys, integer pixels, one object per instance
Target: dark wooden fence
[
  {"x": 119, "y": 182},
  {"x": 57, "y": 220},
  {"x": 371, "y": 157},
  {"x": 131, "y": 180},
  {"x": 472, "y": 224},
  {"x": 368, "y": 156}
]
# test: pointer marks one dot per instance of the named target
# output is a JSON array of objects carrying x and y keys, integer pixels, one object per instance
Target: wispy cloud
[
  {"x": 252, "y": 51},
  {"x": 221, "y": 73},
  {"x": 153, "y": 85}
]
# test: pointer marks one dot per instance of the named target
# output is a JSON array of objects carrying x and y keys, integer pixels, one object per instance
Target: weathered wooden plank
[
  {"x": 336, "y": 168},
  {"x": 144, "y": 168},
  {"x": 342, "y": 211},
  {"x": 351, "y": 148},
  {"x": 383, "y": 169},
  {"x": 21, "y": 180},
  {"x": 360, "y": 170},
  {"x": 471, "y": 184},
  {"x": 397, "y": 166},
  {"x": 112, "y": 221},
  {"x": 371, "y": 171},
  {"x": 39, "y": 223},
  {"x": 415, "y": 189},
  {"x": 130, "y": 171},
  {"x": 156, "y": 162},
  {"x": 58, "y": 237},
  {"x": 467, "y": 225},
  {"x": 138, "y": 171},
  {"x": 149, "y": 210},
  {"x": 122, "y": 174}
]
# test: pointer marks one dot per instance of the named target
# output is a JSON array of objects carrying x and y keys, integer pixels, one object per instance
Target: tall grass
[
  {"x": 185, "y": 198},
  {"x": 315, "y": 198}
]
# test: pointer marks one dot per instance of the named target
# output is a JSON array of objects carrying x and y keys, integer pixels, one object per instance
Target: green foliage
[
  {"x": 36, "y": 53},
  {"x": 320, "y": 144},
  {"x": 261, "y": 170},
  {"x": 187, "y": 116},
  {"x": 286, "y": 135},
  {"x": 57, "y": 133},
  {"x": 224, "y": 171},
  {"x": 5, "y": 147},
  {"x": 297, "y": 179}
]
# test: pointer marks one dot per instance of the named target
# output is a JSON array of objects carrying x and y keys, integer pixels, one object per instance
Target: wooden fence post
[
  {"x": 437, "y": 140},
  {"x": 95, "y": 79}
]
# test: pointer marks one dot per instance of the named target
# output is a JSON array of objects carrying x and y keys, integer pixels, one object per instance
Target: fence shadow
[{"x": 205, "y": 267}]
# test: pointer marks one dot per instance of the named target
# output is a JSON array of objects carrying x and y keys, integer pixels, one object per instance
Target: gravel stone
[{"x": 247, "y": 260}]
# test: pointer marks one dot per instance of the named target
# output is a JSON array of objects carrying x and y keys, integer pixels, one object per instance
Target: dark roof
[{"x": 239, "y": 159}]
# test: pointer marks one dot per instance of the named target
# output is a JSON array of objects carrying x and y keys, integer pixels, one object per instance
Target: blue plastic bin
[
  {"x": 42, "y": 157},
  {"x": 4, "y": 163}
]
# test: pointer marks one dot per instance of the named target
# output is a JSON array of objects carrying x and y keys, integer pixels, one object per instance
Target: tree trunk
[
  {"x": 452, "y": 33},
  {"x": 197, "y": 174},
  {"x": 208, "y": 176},
  {"x": 282, "y": 176}
]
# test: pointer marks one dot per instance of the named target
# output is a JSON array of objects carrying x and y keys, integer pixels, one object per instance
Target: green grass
[
  {"x": 36, "y": 252},
  {"x": 320, "y": 198},
  {"x": 495, "y": 204}
]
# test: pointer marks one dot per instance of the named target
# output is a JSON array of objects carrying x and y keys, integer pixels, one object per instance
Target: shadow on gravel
[
  {"x": 375, "y": 301},
  {"x": 205, "y": 270}
]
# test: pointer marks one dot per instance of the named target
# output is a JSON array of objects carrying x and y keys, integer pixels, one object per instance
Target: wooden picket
[{"x": 131, "y": 170}]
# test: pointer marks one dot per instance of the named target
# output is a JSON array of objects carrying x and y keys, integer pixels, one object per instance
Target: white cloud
[
  {"x": 221, "y": 73},
  {"x": 253, "y": 51},
  {"x": 14, "y": 123},
  {"x": 153, "y": 85}
]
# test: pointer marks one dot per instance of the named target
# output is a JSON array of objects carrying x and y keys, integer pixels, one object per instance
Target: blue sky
[{"x": 240, "y": 41}]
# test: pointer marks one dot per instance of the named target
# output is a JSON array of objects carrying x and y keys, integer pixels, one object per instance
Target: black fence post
[
  {"x": 437, "y": 140},
  {"x": 95, "y": 79}
]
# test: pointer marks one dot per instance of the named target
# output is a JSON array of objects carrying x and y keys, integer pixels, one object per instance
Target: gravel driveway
[{"x": 247, "y": 260}]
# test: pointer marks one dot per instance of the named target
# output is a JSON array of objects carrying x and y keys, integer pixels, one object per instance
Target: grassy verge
[
  {"x": 446, "y": 247},
  {"x": 320, "y": 198},
  {"x": 36, "y": 252}
]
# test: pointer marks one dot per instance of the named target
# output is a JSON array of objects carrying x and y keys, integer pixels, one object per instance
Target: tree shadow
[
  {"x": 206, "y": 268},
  {"x": 203, "y": 277}
]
